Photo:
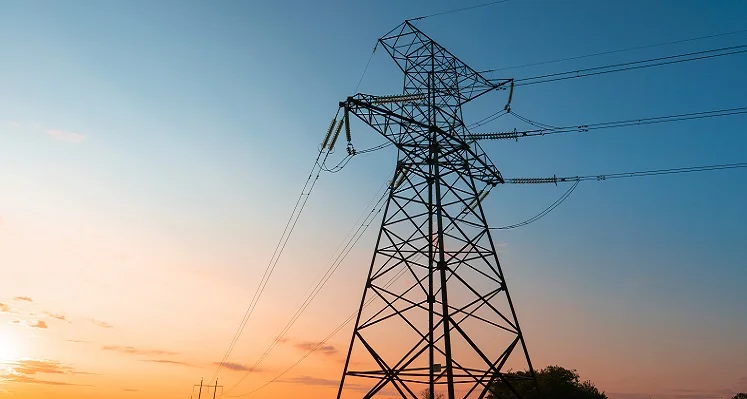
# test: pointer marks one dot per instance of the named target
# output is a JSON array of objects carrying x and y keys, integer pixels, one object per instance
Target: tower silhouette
[{"x": 436, "y": 314}]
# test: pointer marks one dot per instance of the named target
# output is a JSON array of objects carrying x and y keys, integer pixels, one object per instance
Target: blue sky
[{"x": 194, "y": 125}]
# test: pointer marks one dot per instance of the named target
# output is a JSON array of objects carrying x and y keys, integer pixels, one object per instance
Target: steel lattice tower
[{"x": 436, "y": 313}]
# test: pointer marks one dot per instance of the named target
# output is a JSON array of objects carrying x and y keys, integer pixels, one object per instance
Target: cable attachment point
[
  {"x": 350, "y": 148},
  {"x": 478, "y": 199},
  {"x": 510, "y": 96},
  {"x": 347, "y": 125},
  {"x": 399, "y": 176}
]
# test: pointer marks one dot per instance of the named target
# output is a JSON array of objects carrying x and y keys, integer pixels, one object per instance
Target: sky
[{"x": 152, "y": 152}]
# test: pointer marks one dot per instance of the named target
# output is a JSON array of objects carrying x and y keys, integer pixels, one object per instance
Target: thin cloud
[
  {"x": 4, "y": 308},
  {"x": 63, "y": 135},
  {"x": 101, "y": 324},
  {"x": 23, "y": 298},
  {"x": 39, "y": 324},
  {"x": 14, "y": 124},
  {"x": 130, "y": 390},
  {"x": 308, "y": 380},
  {"x": 29, "y": 380},
  {"x": 31, "y": 367},
  {"x": 57, "y": 316},
  {"x": 238, "y": 367},
  {"x": 77, "y": 341},
  {"x": 25, "y": 371},
  {"x": 129, "y": 350},
  {"x": 317, "y": 346},
  {"x": 163, "y": 361}
]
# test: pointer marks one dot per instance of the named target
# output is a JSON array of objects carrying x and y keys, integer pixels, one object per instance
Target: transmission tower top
[
  {"x": 454, "y": 83},
  {"x": 437, "y": 84}
]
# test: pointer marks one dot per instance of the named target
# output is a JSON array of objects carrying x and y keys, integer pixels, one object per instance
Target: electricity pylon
[{"x": 436, "y": 314}]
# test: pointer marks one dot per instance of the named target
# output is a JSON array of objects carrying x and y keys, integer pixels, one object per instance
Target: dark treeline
[{"x": 554, "y": 382}]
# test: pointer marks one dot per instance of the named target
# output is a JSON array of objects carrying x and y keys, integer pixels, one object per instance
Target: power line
[
  {"x": 319, "y": 344},
  {"x": 548, "y": 129},
  {"x": 610, "y": 176},
  {"x": 576, "y": 180},
  {"x": 366, "y": 68},
  {"x": 340, "y": 165},
  {"x": 334, "y": 265},
  {"x": 627, "y": 66},
  {"x": 599, "y": 70},
  {"x": 344, "y": 161},
  {"x": 284, "y": 238},
  {"x": 279, "y": 248},
  {"x": 617, "y": 51},
  {"x": 488, "y": 119},
  {"x": 544, "y": 212},
  {"x": 350, "y": 318},
  {"x": 375, "y": 148},
  {"x": 458, "y": 10},
  {"x": 302, "y": 358}
]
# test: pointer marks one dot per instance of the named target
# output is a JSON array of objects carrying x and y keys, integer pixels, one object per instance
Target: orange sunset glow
[{"x": 535, "y": 199}]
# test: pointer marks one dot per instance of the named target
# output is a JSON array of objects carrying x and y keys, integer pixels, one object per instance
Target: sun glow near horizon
[{"x": 10, "y": 345}]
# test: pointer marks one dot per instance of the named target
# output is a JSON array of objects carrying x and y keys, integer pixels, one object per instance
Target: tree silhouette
[
  {"x": 554, "y": 382},
  {"x": 740, "y": 395},
  {"x": 426, "y": 394}
]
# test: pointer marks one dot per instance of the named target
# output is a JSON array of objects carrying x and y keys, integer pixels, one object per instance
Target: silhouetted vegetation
[
  {"x": 554, "y": 382},
  {"x": 426, "y": 394},
  {"x": 740, "y": 395}
]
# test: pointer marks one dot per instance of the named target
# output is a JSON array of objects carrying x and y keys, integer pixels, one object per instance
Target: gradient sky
[{"x": 151, "y": 152}]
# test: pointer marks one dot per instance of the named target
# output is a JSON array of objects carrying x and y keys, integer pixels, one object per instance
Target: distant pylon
[
  {"x": 447, "y": 323},
  {"x": 199, "y": 392}
]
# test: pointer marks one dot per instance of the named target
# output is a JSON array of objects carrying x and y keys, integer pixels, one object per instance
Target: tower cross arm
[{"x": 394, "y": 122}]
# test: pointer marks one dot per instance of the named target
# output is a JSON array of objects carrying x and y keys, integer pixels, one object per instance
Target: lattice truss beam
[{"x": 436, "y": 313}]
